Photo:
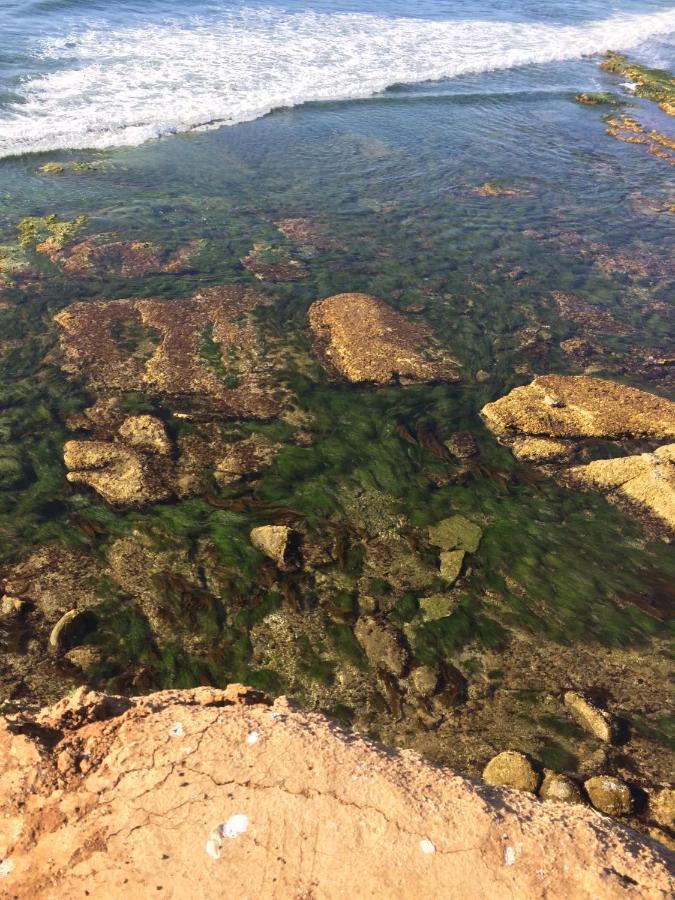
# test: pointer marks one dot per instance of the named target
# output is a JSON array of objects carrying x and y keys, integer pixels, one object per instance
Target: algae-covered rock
[
  {"x": 609, "y": 795},
  {"x": 424, "y": 680},
  {"x": 595, "y": 720},
  {"x": 456, "y": 533},
  {"x": 84, "y": 658},
  {"x": 247, "y": 457},
  {"x": 559, "y": 788},
  {"x": 364, "y": 340},
  {"x": 662, "y": 807},
  {"x": 597, "y": 98},
  {"x": 278, "y": 542},
  {"x": 511, "y": 769},
  {"x": 383, "y": 645},
  {"x": 462, "y": 444},
  {"x": 122, "y": 476},
  {"x": 577, "y": 406},
  {"x": 392, "y": 556},
  {"x": 541, "y": 450},
  {"x": 147, "y": 434},
  {"x": 647, "y": 480},
  {"x": 450, "y": 566},
  {"x": 657, "y": 85},
  {"x": 438, "y": 606}
]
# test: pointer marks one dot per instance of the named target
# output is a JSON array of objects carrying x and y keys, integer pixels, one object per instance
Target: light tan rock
[
  {"x": 365, "y": 340},
  {"x": 456, "y": 533},
  {"x": 212, "y": 794},
  {"x": 541, "y": 450},
  {"x": 279, "y": 543},
  {"x": 147, "y": 434},
  {"x": 595, "y": 720},
  {"x": 121, "y": 475},
  {"x": 576, "y": 406},
  {"x": 511, "y": 769},
  {"x": 559, "y": 788},
  {"x": 424, "y": 680},
  {"x": 450, "y": 566},
  {"x": 438, "y": 606},
  {"x": 647, "y": 480},
  {"x": 609, "y": 795},
  {"x": 247, "y": 457},
  {"x": 11, "y": 607}
]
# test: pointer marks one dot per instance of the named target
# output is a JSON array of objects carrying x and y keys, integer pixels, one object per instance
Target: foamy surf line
[{"x": 127, "y": 86}]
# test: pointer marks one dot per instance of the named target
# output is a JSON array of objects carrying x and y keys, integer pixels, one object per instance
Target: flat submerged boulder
[
  {"x": 576, "y": 406},
  {"x": 365, "y": 340}
]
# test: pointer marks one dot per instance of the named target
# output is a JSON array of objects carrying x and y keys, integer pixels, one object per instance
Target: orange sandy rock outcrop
[
  {"x": 199, "y": 352},
  {"x": 363, "y": 339},
  {"x": 210, "y": 794}
]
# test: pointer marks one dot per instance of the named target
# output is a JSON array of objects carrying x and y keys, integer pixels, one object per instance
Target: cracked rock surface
[{"x": 208, "y": 793}]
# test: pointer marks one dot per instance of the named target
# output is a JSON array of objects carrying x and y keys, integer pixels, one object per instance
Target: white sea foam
[{"x": 125, "y": 86}]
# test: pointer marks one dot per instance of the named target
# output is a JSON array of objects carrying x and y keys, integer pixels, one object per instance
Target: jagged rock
[
  {"x": 121, "y": 475},
  {"x": 247, "y": 457},
  {"x": 70, "y": 628},
  {"x": 438, "y": 606},
  {"x": 662, "y": 807},
  {"x": 559, "y": 788},
  {"x": 595, "y": 720},
  {"x": 609, "y": 795},
  {"x": 424, "y": 680},
  {"x": 11, "y": 607},
  {"x": 576, "y": 406},
  {"x": 541, "y": 450},
  {"x": 220, "y": 823},
  {"x": 392, "y": 556},
  {"x": 511, "y": 769},
  {"x": 365, "y": 340},
  {"x": 450, "y": 566},
  {"x": 647, "y": 480},
  {"x": 147, "y": 434},
  {"x": 279, "y": 542},
  {"x": 456, "y": 533},
  {"x": 383, "y": 645}
]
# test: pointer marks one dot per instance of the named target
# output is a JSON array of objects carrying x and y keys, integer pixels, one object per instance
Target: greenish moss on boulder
[
  {"x": 383, "y": 645},
  {"x": 456, "y": 533},
  {"x": 609, "y": 795},
  {"x": 450, "y": 566},
  {"x": 559, "y": 788},
  {"x": 511, "y": 769}
]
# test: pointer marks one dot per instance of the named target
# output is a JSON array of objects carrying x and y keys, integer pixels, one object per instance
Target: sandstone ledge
[{"x": 209, "y": 793}]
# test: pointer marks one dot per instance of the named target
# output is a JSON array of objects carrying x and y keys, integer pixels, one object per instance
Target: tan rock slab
[{"x": 596, "y": 721}]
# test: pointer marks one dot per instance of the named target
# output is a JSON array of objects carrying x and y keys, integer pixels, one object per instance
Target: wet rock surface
[
  {"x": 609, "y": 795},
  {"x": 363, "y": 339},
  {"x": 192, "y": 792},
  {"x": 511, "y": 769}
]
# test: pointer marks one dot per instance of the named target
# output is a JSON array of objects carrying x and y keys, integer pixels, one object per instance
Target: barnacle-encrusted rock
[
  {"x": 541, "y": 450},
  {"x": 609, "y": 795},
  {"x": 595, "y": 720},
  {"x": 147, "y": 434},
  {"x": 576, "y": 406},
  {"x": 511, "y": 769},
  {"x": 647, "y": 480},
  {"x": 383, "y": 644},
  {"x": 121, "y": 475},
  {"x": 364, "y": 340},
  {"x": 279, "y": 542},
  {"x": 559, "y": 788},
  {"x": 199, "y": 353}
]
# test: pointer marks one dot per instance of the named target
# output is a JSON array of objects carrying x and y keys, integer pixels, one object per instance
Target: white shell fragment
[
  {"x": 426, "y": 846},
  {"x": 176, "y": 730},
  {"x": 253, "y": 738},
  {"x": 233, "y": 828}
]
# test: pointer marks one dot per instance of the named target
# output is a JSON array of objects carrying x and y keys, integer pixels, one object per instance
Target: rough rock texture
[
  {"x": 647, "y": 480},
  {"x": 279, "y": 543},
  {"x": 511, "y": 769},
  {"x": 575, "y": 406},
  {"x": 247, "y": 457},
  {"x": 146, "y": 433},
  {"x": 559, "y": 788},
  {"x": 595, "y": 720},
  {"x": 198, "y": 352},
  {"x": 365, "y": 340},
  {"x": 609, "y": 794},
  {"x": 213, "y": 794},
  {"x": 121, "y": 475}
]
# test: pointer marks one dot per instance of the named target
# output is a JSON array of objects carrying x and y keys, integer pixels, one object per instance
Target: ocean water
[{"x": 205, "y": 124}]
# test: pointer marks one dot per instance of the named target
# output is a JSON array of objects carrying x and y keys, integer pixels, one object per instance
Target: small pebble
[
  {"x": 426, "y": 846},
  {"x": 253, "y": 738}
]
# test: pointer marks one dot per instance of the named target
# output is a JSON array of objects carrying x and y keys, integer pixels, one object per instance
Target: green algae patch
[
  {"x": 68, "y": 168},
  {"x": 598, "y": 98},
  {"x": 656, "y": 85},
  {"x": 48, "y": 234},
  {"x": 456, "y": 533}
]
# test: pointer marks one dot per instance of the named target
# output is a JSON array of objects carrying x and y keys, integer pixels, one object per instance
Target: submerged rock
[
  {"x": 70, "y": 628},
  {"x": 647, "y": 480},
  {"x": 609, "y": 795},
  {"x": 511, "y": 769},
  {"x": 450, "y": 566},
  {"x": 383, "y": 645},
  {"x": 424, "y": 680},
  {"x": 279, "y": 542},
  {"x": 576, "y": 406},
  {"x": 247, "y": 457},
  {"x": 365, "y": 340},
  {"x": 462, "y": 444},
  {"x": 146, "y": 433},
  {"x": 439, "y": 606},
  {"x": 121, "y": 475},
  {"x": 595, "y": 720},
  {"x": 662, "y": 807},
  {"x": 559, "y": 788},
  {"x": 456, "y": 533}
]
